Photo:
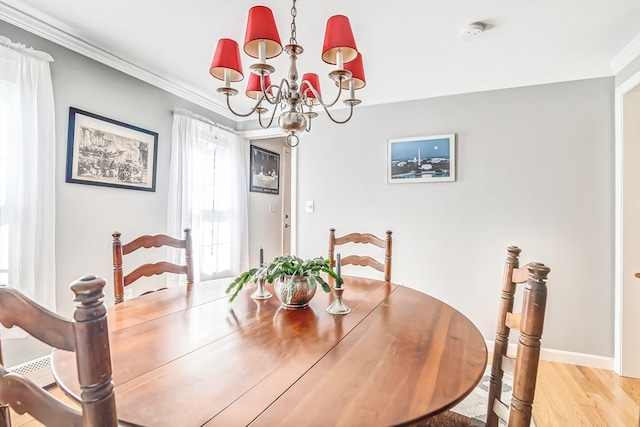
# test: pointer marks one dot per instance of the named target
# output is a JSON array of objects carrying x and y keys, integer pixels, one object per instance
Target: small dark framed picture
[
  {"x": 106, "y": 152},
  {"x": 265, "y": 171},
  {"x": 421, "y": 159}
]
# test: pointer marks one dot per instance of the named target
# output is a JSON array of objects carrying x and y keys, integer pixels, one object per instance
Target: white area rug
[{"x": 475, "y": 405}]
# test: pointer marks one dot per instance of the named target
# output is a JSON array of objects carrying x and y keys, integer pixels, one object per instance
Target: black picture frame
[
  {"x": 264, "y": 171},
  {"x": 109, "y": 153}
]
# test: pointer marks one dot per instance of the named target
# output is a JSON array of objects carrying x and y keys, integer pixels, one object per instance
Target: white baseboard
[{"x": 561, "y": 356}]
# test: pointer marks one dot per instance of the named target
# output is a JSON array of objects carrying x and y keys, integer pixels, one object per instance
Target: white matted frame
[
  {"x": 421, "y": 159},
  {"x": 106, "y": 152}
]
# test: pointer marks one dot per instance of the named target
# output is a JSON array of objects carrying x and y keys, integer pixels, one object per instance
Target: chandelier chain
[{"x": 294, "y": 13}]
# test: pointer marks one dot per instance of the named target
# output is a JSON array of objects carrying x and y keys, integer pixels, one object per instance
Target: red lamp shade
[
  {"x": 261, "y": 26},
  {"x": 338, "y": 35},
  {"x": 314, "y": 80},
  {"x": 253, "y": 87},
  {"x": 227, "y": 57},
  {"x": 357, "y": 73}
]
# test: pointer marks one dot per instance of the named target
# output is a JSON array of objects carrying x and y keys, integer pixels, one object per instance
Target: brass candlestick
[{"x": 338, "y": 306}]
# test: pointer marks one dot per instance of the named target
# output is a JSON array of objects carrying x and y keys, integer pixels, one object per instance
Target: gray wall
[
  {"x": 535, "y": 169},
  {"x": 86, "y": 215}
]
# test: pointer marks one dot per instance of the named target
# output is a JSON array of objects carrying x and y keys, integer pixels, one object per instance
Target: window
[
  {"x": 27, "y": 173},
  {"x": 211, "y": 209},
  {"x": 208, "y": 164},
  {"x": 8, "y": 98}
]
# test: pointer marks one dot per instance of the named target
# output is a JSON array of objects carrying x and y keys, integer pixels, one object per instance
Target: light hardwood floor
[
  {"x": 566, "y": 396},
  {"x": 569, "y": 395}
]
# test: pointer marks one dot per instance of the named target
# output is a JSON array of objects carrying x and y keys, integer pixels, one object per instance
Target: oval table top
[{"x": 187, "y": 357}]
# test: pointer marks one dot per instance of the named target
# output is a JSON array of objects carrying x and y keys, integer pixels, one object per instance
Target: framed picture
[
  {"x": 265, "y": 171},
  {"x": 421, "y": 159},
  {"x": 102, "y": 151}
]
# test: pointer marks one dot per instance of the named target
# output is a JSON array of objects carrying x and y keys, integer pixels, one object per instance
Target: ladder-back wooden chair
[
  {"x": 524, "y": 366},
  {"x": 87, "y": 335},
  {"x": 363, "y": 261},
  {"x": 120, "y": 280}
]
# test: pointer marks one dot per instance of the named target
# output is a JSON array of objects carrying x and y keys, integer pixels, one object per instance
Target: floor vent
[{"x": 37, "y": 370}]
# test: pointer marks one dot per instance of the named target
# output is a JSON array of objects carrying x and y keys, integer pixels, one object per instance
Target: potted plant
[{"x": 296, "y": 279}]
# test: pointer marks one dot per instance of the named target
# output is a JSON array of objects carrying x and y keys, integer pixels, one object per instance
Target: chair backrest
[
  {"x": 363, "y": 261},
  {"x": 87, "y": 335},
  {"x": 529, "y": 322},
  {"x": 120, "y": 280}
]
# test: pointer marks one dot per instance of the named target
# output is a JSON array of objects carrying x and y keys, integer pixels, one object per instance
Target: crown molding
[
  {"x": 628, "y": 54},
  {"x": 31, "y": 23},
  {"x": 262, "y": 133}
]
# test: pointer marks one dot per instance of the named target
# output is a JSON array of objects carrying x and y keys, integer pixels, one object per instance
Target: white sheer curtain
[
  {"x": 208, "y": 193},
  {"x": 27, "y": 174}
]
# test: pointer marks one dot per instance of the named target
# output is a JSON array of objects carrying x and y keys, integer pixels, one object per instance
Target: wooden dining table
[{"x": 186, "y": 356}]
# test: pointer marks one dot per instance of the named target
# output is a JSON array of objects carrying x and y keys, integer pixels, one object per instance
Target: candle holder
[
  {"x": 261, "y": 292},
  {"x": 338, "y": 306}
]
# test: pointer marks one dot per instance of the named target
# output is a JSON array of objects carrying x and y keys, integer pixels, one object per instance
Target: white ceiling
[{"x": 412, "y": 49}]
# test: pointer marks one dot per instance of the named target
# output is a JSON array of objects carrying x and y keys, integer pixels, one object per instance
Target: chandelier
[{"x": 295, "y": 101}]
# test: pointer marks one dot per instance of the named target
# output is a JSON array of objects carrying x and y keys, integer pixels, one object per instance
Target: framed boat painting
[
  {"x": 106, "y": 152},
  {"x": 265, "y": 171},
  {"x": 421, "y": 159}
]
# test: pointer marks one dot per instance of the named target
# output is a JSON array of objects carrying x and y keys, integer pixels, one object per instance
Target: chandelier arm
[
  {"x": 273, "y": 114},
  {"x": 309, "y": 114},
  {"x": 283, "y": 90},
  {"x": 275, "y": 99},
  {"x": 253, "y": 110},
  {"x": 338, "y": 121},
  {"x": 319, "y": 97}
]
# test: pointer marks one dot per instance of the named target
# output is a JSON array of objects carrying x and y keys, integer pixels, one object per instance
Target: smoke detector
[{"x": 472, "y": 31}]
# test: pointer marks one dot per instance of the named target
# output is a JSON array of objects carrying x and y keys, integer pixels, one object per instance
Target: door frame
[
  {"x": 252, "y": 135},
  {"x": 286, "y": 200},
  {"x": 622, "y": 336}
]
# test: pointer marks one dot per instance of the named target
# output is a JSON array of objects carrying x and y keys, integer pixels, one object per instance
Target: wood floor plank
[
  {"x": 618, "y": 405},
  {"x": 569, "y": 395},
  {"x": 552, "y": 405}
]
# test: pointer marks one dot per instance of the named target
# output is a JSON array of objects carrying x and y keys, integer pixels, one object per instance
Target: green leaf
[
  {"x": 238, "y": 283},
  {"x": 325, "y": 285}
]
